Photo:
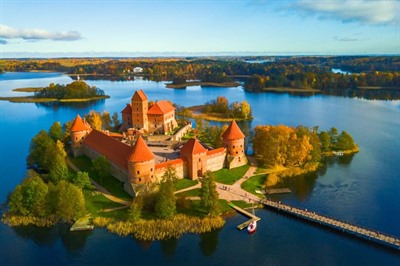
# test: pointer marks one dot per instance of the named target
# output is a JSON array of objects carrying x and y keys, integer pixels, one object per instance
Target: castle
[
  {"x": 135, "y": 165},
  {"x": 160, "y": 117}
]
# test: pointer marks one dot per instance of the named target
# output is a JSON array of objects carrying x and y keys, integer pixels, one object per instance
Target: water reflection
[
  {"x": 209, "y": 242},
  {"x": 41, "y": 236},
  {"x": 168, "y": 247},
  {"x": 55, "y": 106}
]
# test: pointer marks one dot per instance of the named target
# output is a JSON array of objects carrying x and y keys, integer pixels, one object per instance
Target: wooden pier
[
  {"x": 246, "y": 213},
  {"x": 367, "y": 234},
  {"x": 82, "y": 224},
  {"x": 277, "y": 191}
]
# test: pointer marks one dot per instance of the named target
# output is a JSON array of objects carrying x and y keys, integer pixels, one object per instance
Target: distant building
[
  {"x": 160, "y": 117},
  {"x": 137, "y": 70},
  {"x": 135, "y": 165}
]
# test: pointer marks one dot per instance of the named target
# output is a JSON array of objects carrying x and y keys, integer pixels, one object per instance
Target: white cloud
[
  {"x": 364, "y": 11},
  {"x": 7, "y": 32}
]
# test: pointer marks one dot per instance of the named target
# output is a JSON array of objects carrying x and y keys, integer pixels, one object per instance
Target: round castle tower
[
  {"x": 79, "y": 130},
  {"x": 141, "y": 164},
  {"x": 233, "y": 139}
]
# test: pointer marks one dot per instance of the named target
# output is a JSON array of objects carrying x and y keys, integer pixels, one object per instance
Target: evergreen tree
[
  {"x": 209, "y": 195},
  {"x": 59, "y": 169},
  {"x": 39, "y": 150},
  {"x": 166, "y": 202},
  {"x": 56, "y": 132},
  {"x": 325, "y": 139},
  {"x": 345, "y": 142}
]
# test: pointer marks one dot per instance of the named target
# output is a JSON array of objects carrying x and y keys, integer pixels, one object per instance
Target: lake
[{"x": 362, "y": 189}]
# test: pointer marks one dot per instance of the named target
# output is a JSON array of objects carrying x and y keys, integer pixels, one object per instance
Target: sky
[{"x": 43, "y": 28}]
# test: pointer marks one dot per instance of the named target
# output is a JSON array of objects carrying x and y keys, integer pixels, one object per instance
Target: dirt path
[{"x": 101, "y": 189}]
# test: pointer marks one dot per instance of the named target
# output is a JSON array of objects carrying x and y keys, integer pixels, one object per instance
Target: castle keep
[{"x": 136, "y": 164}]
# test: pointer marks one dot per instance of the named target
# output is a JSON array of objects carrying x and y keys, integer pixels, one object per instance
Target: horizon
[{"x": 93, "y": 28}]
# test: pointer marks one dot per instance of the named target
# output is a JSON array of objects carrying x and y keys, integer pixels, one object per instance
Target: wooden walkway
[
  {"x": 246, "y": 213},
  {"x": 375, "y": 236}
]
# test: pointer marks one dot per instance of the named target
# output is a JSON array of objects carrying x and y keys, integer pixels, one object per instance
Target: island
[
  {"x": 218, "y": 110},
  {"x": 76, "y": 91},
  {"x": 155, "y": 177},
  {"x": 203, "y": 84}
]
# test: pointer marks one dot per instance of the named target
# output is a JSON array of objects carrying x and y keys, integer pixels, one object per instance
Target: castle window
[
  {"x": 240, "y": 145},
  {"x": 138, "y": 172},
  {"x": 233, "y": 146},
  {"x": 76, "y": 138},
  {"x": 140, "y": 180},
  {"x": 152, "y": 176},
  {"x": 151, "y": 169},
  {"x": 199, "y": 160},
  {"x": 236, "y": 152}
]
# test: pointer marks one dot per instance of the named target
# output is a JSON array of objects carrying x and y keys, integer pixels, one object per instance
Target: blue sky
[{"x": 137, "y": 28}]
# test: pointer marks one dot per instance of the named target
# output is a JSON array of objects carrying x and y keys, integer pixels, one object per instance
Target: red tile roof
[
  {"x": 215, "y": 151},
  {"x": 140, "y": 152},
  {"x": 192, "y": 146},
  {"x": 114, "y": 150},
  {"x": 233, "y": 132},
  {"x": 79, "y": 125},
  {"x": 169, "y": 163},
  {"x": 160, "y": 108},
  {"x": 139, "y": 95},
  {"x": 127, "y": 110}
]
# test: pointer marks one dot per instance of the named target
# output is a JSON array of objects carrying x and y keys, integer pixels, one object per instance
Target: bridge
[{"x": 367, "y": 234}]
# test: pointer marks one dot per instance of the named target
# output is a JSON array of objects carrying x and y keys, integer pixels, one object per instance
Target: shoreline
[
  {"x": 197, "y": 112},
  {"x": 31, "y": 99},
  {"x": 203, "y": 84}
]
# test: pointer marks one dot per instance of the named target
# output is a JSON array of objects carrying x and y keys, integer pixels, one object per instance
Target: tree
[
  {"x": 345, "y": 142},
  {"x": 101, "y": 167},
  {"x": 58, "y": 168},
  {"x": 166, "y": 202},
  {"x": 81, "y": 179},
  {"x": 39, "y": 149},
  {"x": 135, "y": 210},
  {"x": 68, "y": 201},
  {"x": 106, "y": 120},
  {"x": 209, "y": 195},
  {"x": 94, "y": 119},
  {"x": 29, "y": 198},
  {"x": 325, "y": 139},
  {"x": 56, "y": 132},
  {"x": 115, "y": 120},
  {"x": 245, "y": 110},
  {"x": 334, "y": 134}
]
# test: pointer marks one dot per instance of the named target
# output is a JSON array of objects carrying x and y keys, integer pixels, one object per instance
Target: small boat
[{"x": 251, "y": 228}]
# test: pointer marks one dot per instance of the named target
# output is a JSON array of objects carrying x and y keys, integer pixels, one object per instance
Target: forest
[
  {"x": 74, "y": 90},
  {"x": 366, "y": 76}
]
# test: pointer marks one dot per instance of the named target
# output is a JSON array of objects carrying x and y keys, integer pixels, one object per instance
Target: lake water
[{"x": 362, "y": 189}]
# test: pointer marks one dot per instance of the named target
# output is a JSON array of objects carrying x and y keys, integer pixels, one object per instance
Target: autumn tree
[
  {"x": 66, "y": 200},
  {"x": 166, "y": 202},
  {"x": 245, "y": 110},
  {"x": 94, "y": 119},
  {"x": 209, "y": 195},
  {"x": 345, "y": 142},
  {"x": 106, "y": 120}
]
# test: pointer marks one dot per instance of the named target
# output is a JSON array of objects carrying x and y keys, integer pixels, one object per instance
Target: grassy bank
[
  {"x": 230, "y": 176},
  {"x": 346, "y": 152},
  {"x": 31, "y": 99},
  {"x": 29, "y": 89},
  {"x": 203, "y": 84},
  {"x": 197, "y": 112}
]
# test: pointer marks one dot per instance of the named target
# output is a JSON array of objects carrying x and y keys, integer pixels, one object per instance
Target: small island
[
  {"x": 219, "y": 110},
  {"x": 206, "y": 80},
  {"x": 77, "y": 91}
]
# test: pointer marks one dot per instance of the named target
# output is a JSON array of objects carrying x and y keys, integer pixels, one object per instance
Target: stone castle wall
[
  {"x": 118, "y": 172},
  {"x": 179, "y": 165},
  {"x": 216, "y": 161}
]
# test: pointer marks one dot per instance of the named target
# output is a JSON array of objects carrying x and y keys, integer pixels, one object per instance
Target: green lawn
[
  {"x": 113, "y": 185},
  {"x": 230, "y": 176},
  {"x": 96, "y": 202},
  {"x": 185, "y": 183},
  {"x": 191, "y": 193},
  {"x": 254, "y": 183}
]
